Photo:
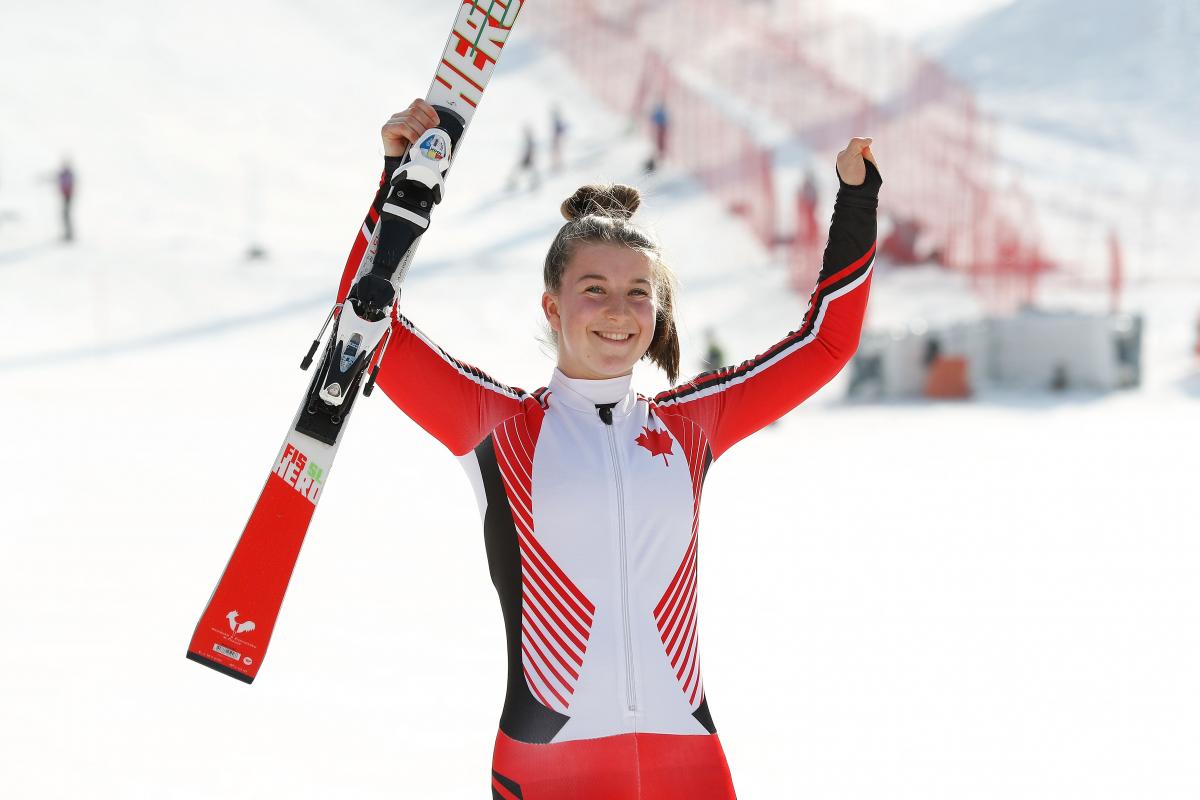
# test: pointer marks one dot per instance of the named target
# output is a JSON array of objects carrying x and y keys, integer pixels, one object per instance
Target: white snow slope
[
  {"x": 927, "y": 600},
  {"x": 1097, "y": 111}
]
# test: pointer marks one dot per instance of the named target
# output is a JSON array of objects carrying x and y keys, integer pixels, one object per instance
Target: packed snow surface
[{"x": 991, "y": 599}]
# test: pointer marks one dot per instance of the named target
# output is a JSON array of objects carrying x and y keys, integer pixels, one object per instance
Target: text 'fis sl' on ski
[
  {"x": 305, "y": 476},
  {"x": 481, "y": 29}
]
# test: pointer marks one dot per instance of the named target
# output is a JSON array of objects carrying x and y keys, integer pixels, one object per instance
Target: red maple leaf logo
[{"x": 657, "y": 442}]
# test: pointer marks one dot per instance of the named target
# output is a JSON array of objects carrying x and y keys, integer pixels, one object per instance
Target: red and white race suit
[{"x": 590, "y": 497}]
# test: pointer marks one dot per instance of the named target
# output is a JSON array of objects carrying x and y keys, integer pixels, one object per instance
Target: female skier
[{"x": 590, "y": 493}]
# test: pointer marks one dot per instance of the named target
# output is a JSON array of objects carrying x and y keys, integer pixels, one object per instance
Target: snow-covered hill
[
  {"x": 1104, "y": 70},
  {"x": 1097, "y": 111},
  {"x": 986, "y": 600}
]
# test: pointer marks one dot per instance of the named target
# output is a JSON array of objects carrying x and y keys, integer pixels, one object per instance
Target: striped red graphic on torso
[
  {"x": 675, "y": 614},
  {"x": 556, "y": 617}
]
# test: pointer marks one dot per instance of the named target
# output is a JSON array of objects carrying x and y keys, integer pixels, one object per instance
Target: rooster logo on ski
[{"x": 238, "y": 627}]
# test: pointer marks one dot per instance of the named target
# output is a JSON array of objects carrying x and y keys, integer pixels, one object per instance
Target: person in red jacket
[{"x": 590, "y": 492}]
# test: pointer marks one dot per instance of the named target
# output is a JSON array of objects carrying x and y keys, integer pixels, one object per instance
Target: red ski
[{"x": 235, "y": 629}]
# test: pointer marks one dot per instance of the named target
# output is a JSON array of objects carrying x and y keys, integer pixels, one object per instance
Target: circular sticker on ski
[{"x": 435, "y": 146}]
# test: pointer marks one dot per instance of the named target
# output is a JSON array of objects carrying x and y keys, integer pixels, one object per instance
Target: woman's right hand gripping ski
[{"x": 405, "y": 127}]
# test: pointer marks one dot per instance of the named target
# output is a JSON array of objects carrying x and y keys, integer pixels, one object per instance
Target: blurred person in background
[
  {"x": 65, "y": 180},
  {"x": 590, "y": 492},
  {"x": 558, "y": 135},
  {"x": 714, "y": 354},
  {"x": 660, "y": 125},
  {"x": 806, "y": 210},
  {"x": 807, "y": 240},
  {"x": 526, "y": 163}
]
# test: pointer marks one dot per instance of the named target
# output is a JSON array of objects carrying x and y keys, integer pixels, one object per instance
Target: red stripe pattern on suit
[
  {"x": 556, "y": 617},
  {"x": 675, "y": 614}
]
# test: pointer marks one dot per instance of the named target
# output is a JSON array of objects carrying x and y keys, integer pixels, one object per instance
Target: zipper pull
[{"x": 605, "y": 410}]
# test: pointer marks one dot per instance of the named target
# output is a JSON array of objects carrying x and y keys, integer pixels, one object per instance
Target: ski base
[{"x": 221, "y": 668}]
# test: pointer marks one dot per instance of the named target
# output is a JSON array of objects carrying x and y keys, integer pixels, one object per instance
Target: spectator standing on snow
[
  {"x": 714, "y": 355},
  {"x": 808, "y": 240},
  {"x": 660, "y": 122},
  {"x": 66, "y": 191},
  {"x": 527, "y": 164},
  {"x": 809, "y": 231},
  {"x": 558, "y": 133}
]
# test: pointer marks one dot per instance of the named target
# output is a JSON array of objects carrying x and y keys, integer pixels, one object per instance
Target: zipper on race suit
[{"x": 605, "y": 411}]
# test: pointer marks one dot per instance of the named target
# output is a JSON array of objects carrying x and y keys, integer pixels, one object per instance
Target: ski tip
[{"x": 221, "y": 668}]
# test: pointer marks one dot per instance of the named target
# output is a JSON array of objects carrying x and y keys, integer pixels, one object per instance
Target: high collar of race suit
[{"x": 592, "y": 396}]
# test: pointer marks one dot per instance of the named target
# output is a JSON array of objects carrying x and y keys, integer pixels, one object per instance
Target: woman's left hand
[{"x": 850, "y": 162}]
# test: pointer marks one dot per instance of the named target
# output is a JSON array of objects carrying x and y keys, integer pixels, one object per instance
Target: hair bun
[{"x": 606, "y": 200}]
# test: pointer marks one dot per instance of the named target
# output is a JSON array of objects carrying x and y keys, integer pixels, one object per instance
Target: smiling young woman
[
  {"x": 608, "y": 294},
  {"x": 590, "y": 492}
]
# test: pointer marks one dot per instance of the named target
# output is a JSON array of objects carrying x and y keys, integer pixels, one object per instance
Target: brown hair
[{"x": 600, "y": 214}]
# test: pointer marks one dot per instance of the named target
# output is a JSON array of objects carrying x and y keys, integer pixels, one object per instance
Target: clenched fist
[
  {"x": 850, "y": 162},
  {"x": 406, "y": 126}
]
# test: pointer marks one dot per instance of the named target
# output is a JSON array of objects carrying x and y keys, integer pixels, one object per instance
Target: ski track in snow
[{"x": 992, "y": 599}]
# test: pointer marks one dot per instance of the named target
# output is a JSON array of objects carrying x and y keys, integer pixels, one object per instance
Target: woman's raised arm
[
  {"x": 455, "y": 402},
  {"x": 731, "y": 403}
]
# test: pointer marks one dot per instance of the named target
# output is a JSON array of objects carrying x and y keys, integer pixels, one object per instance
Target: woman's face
[{"x": 604, "y": 311}]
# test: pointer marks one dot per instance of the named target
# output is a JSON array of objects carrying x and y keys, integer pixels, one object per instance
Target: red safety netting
[
  {"x": 729, "y": 70},
  {"x": 620, "y": 57}
]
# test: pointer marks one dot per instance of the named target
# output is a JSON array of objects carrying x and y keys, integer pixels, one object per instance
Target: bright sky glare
[{"x": 916, "y": 17}]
